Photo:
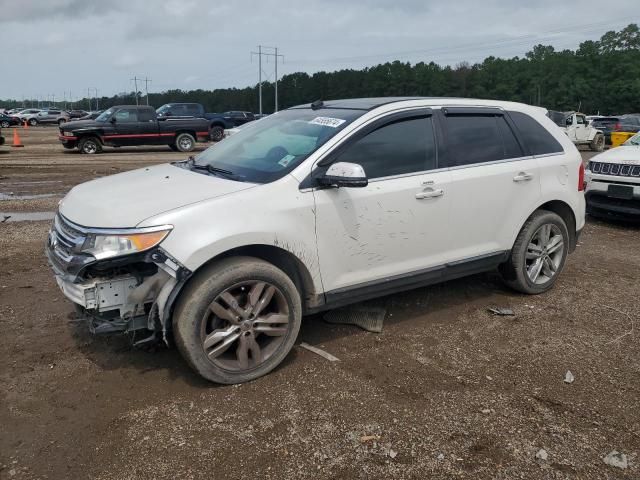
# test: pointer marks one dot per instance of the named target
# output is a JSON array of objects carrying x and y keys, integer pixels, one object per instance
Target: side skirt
[{"x": 410, "y": 281}]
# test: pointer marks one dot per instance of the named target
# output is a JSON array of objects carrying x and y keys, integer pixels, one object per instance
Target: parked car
[
  {"x": 613, "y": 181},
  {"x": 126, "y": 125},
  {"x": 22, "y": 114},
  {"x": 621, "y": 123},
  {"x": 91, "y": 115},
  {"x": 47, "y": 116},
  {"x": 315, "y": 207},
  {"x": 579, "y": 130},
  {"x": 77, "y": 114},
  {"x": 7, "y": 121},
  {"x": 219, "y": 122}
]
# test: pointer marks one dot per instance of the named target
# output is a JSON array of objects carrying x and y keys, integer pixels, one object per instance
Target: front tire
[
  {"x": 538, "y": 254},
  {"x": 237, "y": 320},
  {"x": 597, "y": 144},
  {"x": 33, "y": 122},
  {"x": 185, "y": 142},
  {"x": 90, "y": 146},
  {"x": 216, "y": 133}
]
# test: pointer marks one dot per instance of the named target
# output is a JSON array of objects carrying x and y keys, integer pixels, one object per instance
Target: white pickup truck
[{"x": 579, "y": 129}]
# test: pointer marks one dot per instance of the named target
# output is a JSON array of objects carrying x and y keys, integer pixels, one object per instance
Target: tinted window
[
  {"x": 473, "y": 139},
  {"x": 401, "y": 147},
  {"x": 146, "y": 115},
  {"x": 177, "y": 110},
  {"x": 126, "y": 116},
  {"x": 193, "y": 109},
  {"x": 536, "y": 138}
]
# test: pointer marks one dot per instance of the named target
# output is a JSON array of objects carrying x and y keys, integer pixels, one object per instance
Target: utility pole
[
  {"x": 135, "y": 81},
  {"x": 97, "y": 101},
  {"x": 147, "y": 81},
  {"x": 276, "y": 56},
  {"x": 89, "y": 97}
]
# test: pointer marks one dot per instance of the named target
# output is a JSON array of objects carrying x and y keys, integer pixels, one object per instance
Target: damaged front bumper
[{"x": 121, "y": 294}]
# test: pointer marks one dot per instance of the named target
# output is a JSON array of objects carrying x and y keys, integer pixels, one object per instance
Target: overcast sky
[{"x": 53, "y": 47}]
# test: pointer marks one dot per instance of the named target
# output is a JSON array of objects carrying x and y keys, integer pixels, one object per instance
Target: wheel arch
[
  {"x": 283, "y": 259},
  {"x": 564, "y": 211}
]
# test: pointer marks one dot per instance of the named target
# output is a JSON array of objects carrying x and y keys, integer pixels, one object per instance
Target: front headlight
[
  {"x": 107, "y": 245},
  {"x": 68, "y": 134}
]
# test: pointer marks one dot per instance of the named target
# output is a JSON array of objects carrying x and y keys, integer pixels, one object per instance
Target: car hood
[
  {"x": 126, "y": 199},
  {"x": 625, "y": 154}
]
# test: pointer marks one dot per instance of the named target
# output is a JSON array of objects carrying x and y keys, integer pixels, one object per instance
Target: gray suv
[{"x": 47, "y": 116}]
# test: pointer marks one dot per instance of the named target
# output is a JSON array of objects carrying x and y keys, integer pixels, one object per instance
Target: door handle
[
  {"x": 523, "y": 177},
  {"x": 430, "y": 194}
]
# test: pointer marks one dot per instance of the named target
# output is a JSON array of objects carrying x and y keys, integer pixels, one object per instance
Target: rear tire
[
  {"x": 597, "y": 144},
  {"x": 537, "y": 257},
  {"x": 90, "y": 146},
  {"x": 214, "y": 320},
  {"x": 217, "y": 133},
  {"x": 185, "y": 142},
  {"x": 5, "y": 124}
]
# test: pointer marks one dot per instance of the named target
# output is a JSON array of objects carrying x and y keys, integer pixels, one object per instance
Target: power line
[
  {"x": 518, "y": 40},
  {"x": 276, "y": 58}
]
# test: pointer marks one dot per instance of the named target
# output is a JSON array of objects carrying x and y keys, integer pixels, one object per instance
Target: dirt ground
[{"x": 446, "y": 391}]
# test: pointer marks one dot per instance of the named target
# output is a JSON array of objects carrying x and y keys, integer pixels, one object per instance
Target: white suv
[{"x": 318, "y": 206}]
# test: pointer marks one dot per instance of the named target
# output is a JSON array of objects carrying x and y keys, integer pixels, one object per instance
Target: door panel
[
  {"x": 398, "y": 223},
  {"x": 391, "y": 227},
  {"x": 488, "y": 203},
  {"x": 493, "y": 184}
]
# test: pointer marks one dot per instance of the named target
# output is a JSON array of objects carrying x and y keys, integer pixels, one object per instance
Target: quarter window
[
  {"x": 405, "y": 146},
  {"x": 536, "y": 138},
  {"x": 479, "y": 139}
]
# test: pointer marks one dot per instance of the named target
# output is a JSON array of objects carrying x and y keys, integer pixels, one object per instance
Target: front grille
[
  {"x": 615, "y": 169},
  {"x": 66, "y": 239}
]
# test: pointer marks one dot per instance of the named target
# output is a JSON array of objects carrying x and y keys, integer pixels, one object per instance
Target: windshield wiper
[{"x": 191, "y": 162}]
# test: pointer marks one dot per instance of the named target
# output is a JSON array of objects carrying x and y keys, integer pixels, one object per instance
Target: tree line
[{"x": 600, "y": 76}]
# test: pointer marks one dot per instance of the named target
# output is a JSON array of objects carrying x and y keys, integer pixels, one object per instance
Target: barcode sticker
[{"x": 327, "y": 122}]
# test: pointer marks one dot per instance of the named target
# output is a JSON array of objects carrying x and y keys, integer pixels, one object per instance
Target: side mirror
[
  {"x": 344, "y": 174},
  {"x": 112, "y": 119}
]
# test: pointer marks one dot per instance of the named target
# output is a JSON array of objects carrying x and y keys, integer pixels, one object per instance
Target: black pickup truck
[
  {"x": 126, "y": 125},
  {"x": 218, "y": 122}
]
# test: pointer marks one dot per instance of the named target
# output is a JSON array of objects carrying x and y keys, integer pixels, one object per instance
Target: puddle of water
[
  {"x": 9, "y": 196},
  {"x": 9, "y": 217}
]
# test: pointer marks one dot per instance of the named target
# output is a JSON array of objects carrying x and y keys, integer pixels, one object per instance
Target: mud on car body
[{"x": 314, "y": 207}]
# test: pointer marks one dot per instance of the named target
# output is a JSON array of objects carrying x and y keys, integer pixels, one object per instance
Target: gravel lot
[{"x": 446, "y": 391}]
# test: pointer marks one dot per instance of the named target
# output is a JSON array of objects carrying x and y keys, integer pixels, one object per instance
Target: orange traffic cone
[
  {"x": 16, "y": 139},
  {"x": 25, "y": 124}
]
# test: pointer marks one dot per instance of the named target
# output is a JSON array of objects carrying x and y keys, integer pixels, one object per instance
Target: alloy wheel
[
  {"x": 544, "y": 254},
  {"x": 245, "y": 325}
]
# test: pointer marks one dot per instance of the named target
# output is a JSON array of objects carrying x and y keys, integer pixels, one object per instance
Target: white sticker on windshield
[
  {"x": 327, "y": 122},
  {"x": 286, "y": 160}
]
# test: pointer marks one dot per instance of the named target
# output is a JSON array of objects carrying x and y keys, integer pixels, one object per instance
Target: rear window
[
  {"x": 480, "y": 139},
  {"x": 537, "y": 140}
]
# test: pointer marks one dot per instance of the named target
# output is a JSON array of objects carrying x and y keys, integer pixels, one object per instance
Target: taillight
[
  {"x": 617, "y": 127},
  {"x": 581, "y": 183}
]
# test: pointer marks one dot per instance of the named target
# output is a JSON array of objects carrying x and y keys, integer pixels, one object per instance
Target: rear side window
[
  {"x": 401, "y": 147},
  {"x": 146, "y": 115},
  {"x": 536, "y": 138},
  {"x": 479, "y": 139}
]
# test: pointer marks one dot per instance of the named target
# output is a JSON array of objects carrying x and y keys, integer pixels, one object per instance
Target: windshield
[
  {"x": 163, "y": 109},
  {"x": 268, "y": 149},
  {"x": 635, "y": 140},
  {"x": 104, "y": 116}
]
